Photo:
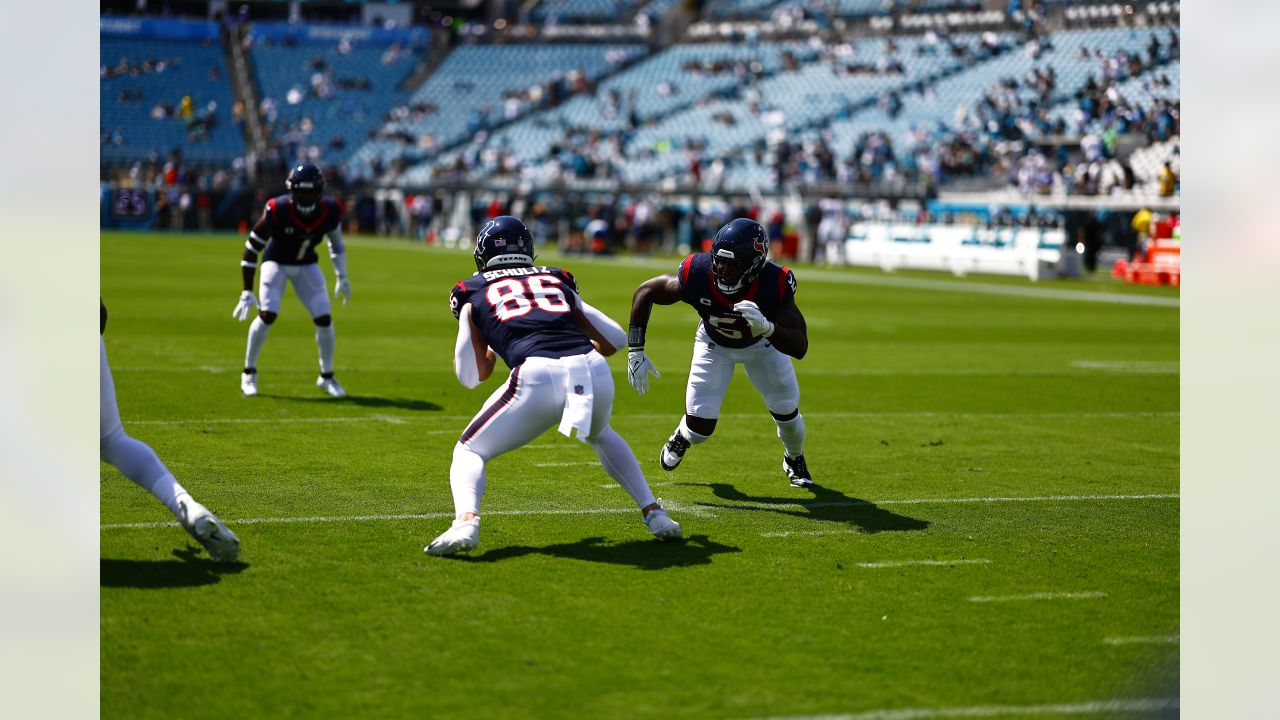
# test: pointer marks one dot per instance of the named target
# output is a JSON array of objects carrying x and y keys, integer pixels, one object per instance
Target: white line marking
[
  {"x": 695, "y": 510},
  {"x": 1144, "y": 640},
  {"x": 567, "y": 464},
  {"x": 1093, "y": 707},
  {"x": 660, "y": 416},
  {"x": 616, "y": 486},
  {"x": 1079, "y": 368},
  {"x": 1087, "y": 595},
  {"x": 910, "y": 563},
  {"x": 1137, "y": 367},
  {"x": 937, "y": 501}
]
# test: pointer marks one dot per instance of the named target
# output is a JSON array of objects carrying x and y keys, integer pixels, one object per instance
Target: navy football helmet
[
  {"x": 503, "y": 240},
  {"x": 305, "y": 185},
  {"x": 738, "y": 254}
]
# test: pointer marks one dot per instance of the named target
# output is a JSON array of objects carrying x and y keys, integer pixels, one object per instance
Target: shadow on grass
[
  {"x": 188, "y": 570},
  {"x": 368, "y": 401},
  {"x": 826, "y": 504},
  {"x": 643, "y": 554}
]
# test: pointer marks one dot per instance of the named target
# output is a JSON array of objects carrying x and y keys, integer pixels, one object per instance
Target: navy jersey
[
  {"x": 773, "y": 288},
  {"x": 293, "y": 238},
  {"x": 524, "y": 312}
]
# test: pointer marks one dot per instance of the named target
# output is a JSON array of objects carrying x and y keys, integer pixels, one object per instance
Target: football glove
[
  {"x": 756, "y": 319},
  {"x": 247, "y": 302},
  {"x": 638, "y": 370},
  {"x": 342, "y": 286}
]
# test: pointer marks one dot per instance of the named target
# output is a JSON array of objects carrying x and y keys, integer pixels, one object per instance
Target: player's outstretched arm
[
  {"x": 790, "y": 333},
  {"x": 338, "y": 254},
  {"x": 249, "y": 267},
  {"x": 473, "y": 361},
  {"x": 604, "y": 333},
  {"x": 661, "y": 290}
]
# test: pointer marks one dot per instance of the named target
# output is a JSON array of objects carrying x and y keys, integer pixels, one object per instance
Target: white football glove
[
  {"x": 638, "y": 370},
  {"x": 756, "y": 319},
  {"x": 342, "y": 286},
  {"x": 247, "y": 302}
]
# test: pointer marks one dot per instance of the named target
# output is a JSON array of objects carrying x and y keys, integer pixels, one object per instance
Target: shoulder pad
[
  {"x": 457, "y": 297},
  {"x": 786, "y": 283},
  {"x": 682, "y": 273}
]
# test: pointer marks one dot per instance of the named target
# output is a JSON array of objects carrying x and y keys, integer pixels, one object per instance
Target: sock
[
  {"x": 466, "y": 479},
  {"x": 791, "y": 432},
  {"x": 140, "y": 464},
  {"x": 257, "y": 338},
  {"x": 325, "y": 341},
  {"x": 693, "y": 437},
  {"x": 621, "y": 464}
]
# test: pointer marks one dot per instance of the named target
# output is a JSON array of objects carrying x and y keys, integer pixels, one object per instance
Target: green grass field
[{"x": 995, "y": 530}]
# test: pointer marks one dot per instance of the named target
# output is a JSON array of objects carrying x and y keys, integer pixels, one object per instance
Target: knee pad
[{"x": 323, "y": 321}]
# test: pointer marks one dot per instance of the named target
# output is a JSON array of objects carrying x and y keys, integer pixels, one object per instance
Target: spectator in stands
[{"x": 1167, "y": 180}]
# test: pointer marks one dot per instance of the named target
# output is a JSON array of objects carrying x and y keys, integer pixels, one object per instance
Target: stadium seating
[
  {"x": 479, "y": 85},
  {"x": 584, "y": 11},
  {"x": 142, "y": 110},
  {"x": 330, "y": 95}
]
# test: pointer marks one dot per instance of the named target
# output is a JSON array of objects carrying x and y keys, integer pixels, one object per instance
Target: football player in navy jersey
[
  {"x": 138, "y": 462},
  {"x": 554, "y": 343},
  {"x": 290, "y": 229},
  {"x": 749, "y": 316}
]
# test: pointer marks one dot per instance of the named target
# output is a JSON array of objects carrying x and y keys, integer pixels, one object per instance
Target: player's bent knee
[
  {"x": 323, "y": 321},
  {"x": 702, "y": 426},
  {"x": 785, "y": 417},
  {"x": 109, "y": 444},
  {"x": 267, "y": 317}
]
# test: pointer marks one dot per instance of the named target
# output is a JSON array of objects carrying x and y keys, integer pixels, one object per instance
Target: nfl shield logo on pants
[{"x": 577, "y": 389}]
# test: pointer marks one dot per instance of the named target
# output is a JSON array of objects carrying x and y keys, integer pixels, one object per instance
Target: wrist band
[
  {"x": 635, "y": 337},
  {"x": 769, "y": 332}
]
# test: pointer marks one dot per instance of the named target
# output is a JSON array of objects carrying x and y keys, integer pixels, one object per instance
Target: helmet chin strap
[{"x": 306, "y": 208}]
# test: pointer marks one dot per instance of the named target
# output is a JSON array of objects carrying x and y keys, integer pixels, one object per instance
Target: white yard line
[
  {"x": 616, "y": 486},
  {"x": 699, "y": 510},
  {"x": 1087, "y": 595},
  {"x": 1137, "y": 367},
  {"x": 912, "y": 563},
  {"x": 568, "y": 464},
  {"x": 1092, "y": 707},
  {"x": 395, "y": 419},
  {"x": 1144, "y": 640}
]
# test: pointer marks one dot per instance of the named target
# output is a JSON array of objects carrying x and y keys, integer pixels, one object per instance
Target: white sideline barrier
[{"x": 960, "y": 249}]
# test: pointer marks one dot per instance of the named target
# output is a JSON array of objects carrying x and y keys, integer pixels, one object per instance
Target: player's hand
[
  {"x": 247, "y": 303},
  {"x": 756, "y": 319},
  {"x": 343, "y": 287},
  {"x": 638, "y": 370}
]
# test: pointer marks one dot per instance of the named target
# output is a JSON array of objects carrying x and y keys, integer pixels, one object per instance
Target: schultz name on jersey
[
  {"x": 773, "y": 288},
  {"x": 294, "y": 237},
  {"x": 524, "y": 312}
]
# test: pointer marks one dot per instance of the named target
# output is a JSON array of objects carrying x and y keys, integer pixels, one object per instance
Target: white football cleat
[
  {"x": 249, "y": 383},
  {"x": 661, "y": 524},
  {"x": 208, "y": 530},
  {"x": 329, "y": 385},
  {"x": 463, "y": 535}
]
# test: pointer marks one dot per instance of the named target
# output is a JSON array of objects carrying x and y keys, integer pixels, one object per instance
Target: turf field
[{"x": 995, "y": 530}]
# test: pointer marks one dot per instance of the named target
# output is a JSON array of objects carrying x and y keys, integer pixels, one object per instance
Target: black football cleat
[
  {"x": 673, "y": 452},
  {"x": 797, "y": 471}
]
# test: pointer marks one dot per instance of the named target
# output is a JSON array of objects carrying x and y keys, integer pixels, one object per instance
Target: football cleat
[
  {"x": 330, "y": 386},
  {"x": 673, "y": 451},
  {"x": 661, "y": 524},
  {"x": 249, "y": 383},
  {"x": 797, "y": 471},
  {"x": 208, "y": 530},
  {"x": 463, "y": 535}
]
